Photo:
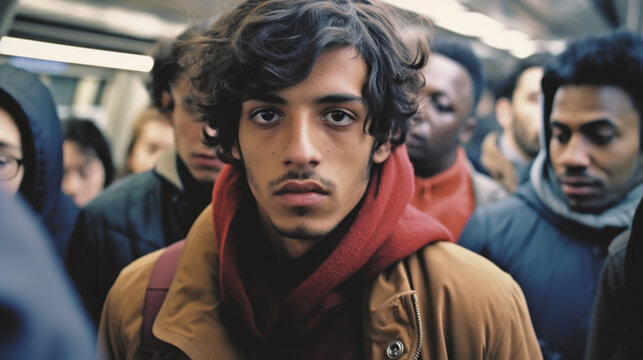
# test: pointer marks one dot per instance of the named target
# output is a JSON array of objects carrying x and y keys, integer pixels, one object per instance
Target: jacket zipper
[{"x": 418, "y": 322}]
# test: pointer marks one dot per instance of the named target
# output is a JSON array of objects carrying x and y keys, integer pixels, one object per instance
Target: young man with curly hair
[{"x": 310, "y": 249}]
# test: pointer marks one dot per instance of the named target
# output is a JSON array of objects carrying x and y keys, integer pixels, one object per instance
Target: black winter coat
[{"x": 134, "y": 216}]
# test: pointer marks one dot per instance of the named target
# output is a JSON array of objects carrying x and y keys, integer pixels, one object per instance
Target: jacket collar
[
  {"x": 166, "y": 167},
  {"x": 190, "y": 317}
]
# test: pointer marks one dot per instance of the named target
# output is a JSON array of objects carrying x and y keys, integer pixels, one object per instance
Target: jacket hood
[{"x": 44, "y": 166}]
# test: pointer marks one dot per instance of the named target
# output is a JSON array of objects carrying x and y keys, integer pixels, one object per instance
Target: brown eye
[
  {"x": 560, "y": 135},
  {"x": 601, "y": 137},
  {"x": 339, "y": 117},
  {"x": 265, "y": 117}
]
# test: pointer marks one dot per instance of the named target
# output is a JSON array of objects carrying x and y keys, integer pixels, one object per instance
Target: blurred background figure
[
  {"x": 87, "y": 159},
  {"x": 553, "y": 234},
  {"x": 506, "y": 156},
  {"x": 40, "y": 315},
  {"x": 447, "y": 186},
  {"x": 31, "y": 159},
  {"x": 153, "y": 209},
  {"x": 152, "y": 134}
]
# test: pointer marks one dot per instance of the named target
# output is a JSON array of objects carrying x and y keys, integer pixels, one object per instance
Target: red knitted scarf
[{"x": 385, "y": 230}]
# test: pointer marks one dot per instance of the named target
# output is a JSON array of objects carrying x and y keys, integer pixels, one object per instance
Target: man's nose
[
  {"x": 71, "y": 184},
  {"x": 576, "y": 154},
  {"x": 301, "y": 150}
]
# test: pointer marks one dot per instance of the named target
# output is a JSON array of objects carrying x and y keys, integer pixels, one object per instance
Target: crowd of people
[{"x": 298, "y": 188}]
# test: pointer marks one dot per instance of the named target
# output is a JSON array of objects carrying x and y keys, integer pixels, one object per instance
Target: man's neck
[
  {"x": 427, "y": 169},
  {"x": 190, "y": 184},
  {"x": 509, "y": 147}
]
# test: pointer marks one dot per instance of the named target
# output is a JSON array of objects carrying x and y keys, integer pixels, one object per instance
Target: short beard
[
  {"x": 300, "y": 233},
  {"x": 525, "y": 146}
]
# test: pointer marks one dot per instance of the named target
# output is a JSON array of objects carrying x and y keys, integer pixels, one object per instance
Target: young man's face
[
  {"x": 306, "y": 155},
  {"x": 595, "y": 145},
  {"x": 200, "y": 160},
  {"x": 446, "y": 102},
  {"x": 527, "y": 112},
  {"x": 10, "y": 149}
]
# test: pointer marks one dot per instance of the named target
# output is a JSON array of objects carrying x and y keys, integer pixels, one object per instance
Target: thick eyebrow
[
  {"x": 9, "y": 146},
  {"x": 268, "y": 98},
  {"x": 598, "y": 123},
  {"x": 587, "y": 126},
  {"x": 325, "y": 99},
  {"x": 339, "y": 98}
]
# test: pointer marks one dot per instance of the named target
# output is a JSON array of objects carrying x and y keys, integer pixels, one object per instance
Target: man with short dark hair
[
  {"x": 145, "y": 212},
  {"x": 310, "y": 250},
  {"x": 506, "y": 156},
  {"x": 552, "y": 236},
  {"x": 447, "y": 186}
]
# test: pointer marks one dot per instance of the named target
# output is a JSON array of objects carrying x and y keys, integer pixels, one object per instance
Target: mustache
[{"x": 302, "y": 175}]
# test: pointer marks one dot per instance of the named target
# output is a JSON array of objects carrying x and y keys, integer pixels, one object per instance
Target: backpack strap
[{"x": 157, "y": 288}]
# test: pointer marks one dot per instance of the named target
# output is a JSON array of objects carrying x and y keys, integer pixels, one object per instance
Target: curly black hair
[{"x": 264, "y": 45}]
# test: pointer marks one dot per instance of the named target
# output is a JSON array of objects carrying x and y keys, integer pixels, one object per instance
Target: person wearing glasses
[
  {"x": 31, "y": 152},
  {"x": 11, "y": 159}
]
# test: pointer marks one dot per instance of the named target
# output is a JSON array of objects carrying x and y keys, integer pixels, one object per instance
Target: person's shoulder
[
  {"x": 122, "y": 195},
  {"x": 474, "y": 301},
  {"x": 498, "y": 216},
  {"x": 122, "y": 316},
  {"x": 455, "y": 266},
  {"x": 508, "y": 208},
  {"x": 132, "y": 280},
  {"x": 468, "y": 279},
  {"x": 124, "y": 189},
  {"x": 486, "y": 189}
]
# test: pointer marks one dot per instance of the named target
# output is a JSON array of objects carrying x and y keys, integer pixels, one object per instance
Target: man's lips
[
  {"x": 415, "y": 141},
  {"x": 579, "y": 186},
  {"x": 301, "y": 193},
  {"x": 207, "y": 161}
]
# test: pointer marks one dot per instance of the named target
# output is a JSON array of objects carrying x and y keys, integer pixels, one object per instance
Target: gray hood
[{"x": 548, "y": 191}]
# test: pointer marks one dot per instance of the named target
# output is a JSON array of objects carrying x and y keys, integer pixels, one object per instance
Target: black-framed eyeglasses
[{"x": 9, "y": 166}]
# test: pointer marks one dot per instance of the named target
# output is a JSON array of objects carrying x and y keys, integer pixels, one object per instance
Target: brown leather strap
[{"x": 157, "y": 287}]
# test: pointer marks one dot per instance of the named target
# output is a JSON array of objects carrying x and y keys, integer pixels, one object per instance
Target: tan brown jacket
[
  {"x": 442, "y": 302},
  {"x": 499, "y": 167}
]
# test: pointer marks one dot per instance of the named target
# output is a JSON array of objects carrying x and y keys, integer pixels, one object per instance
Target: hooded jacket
[
  {"x": 134, "y": 216},
  {"x": 41, "y": 185},
  {"x": 431, "y": 302},
  {"x": 554, "y": 253},
  {"x": 41, "y": 316}
]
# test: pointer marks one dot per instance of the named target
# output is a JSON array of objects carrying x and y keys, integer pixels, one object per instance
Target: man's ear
[
  {"x": 504, "y": 114},
  {"x": 382, "y": 153},
  {"x": 467, "y": 129},
  {"x": 236, "y": 152},
  {"x": 167, "y": 103}
]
